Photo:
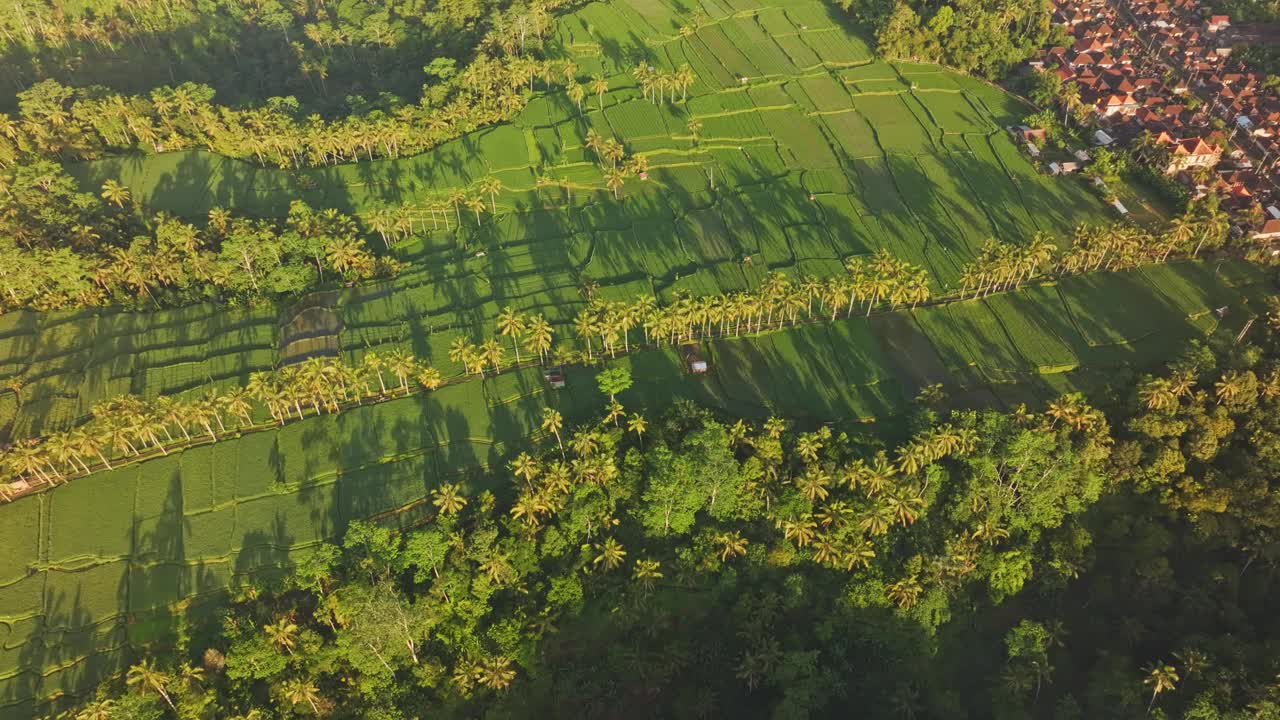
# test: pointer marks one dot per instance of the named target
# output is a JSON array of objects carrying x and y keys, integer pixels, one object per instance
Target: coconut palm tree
[
  {"x": 491, "y": 186},
  {"x": 608, "y": 554},
  {"x": 448, "y": 499},
  {"x": 430, "y": 378},
  {"x": 553, "y": 422},
  {"x": 576, "y": 94},
  {"x": 538, "y": 337},
  {"x": 512, "y": 324},
  {"x": 585, "y": 325},
  {"x": 599, "y": 86},
  {"x": 460, "y": 352},
  {"x": 475, "y": 204},
  {"x": 525, "y": 466},
  {"x": 298, "y": 691},
  {"x": 731, "y": 545},
  {"x": 638, "y": 425},
  {"x": 614, "y": 179},
  {"x": 374, "y": 364},
  {"x": 495, "y": 673},
  {"x": 403, "y": 366},
  {"x": 283, "y": 634},
  {"x": 647, "y": 573},
  {"x": 492, "y": 353},
  {"x": 146, "y": 678},
  {"x": 115, "y": 193},
  {"x": 1160, "y": 678},
  {"x": 1157, "y": 394}
]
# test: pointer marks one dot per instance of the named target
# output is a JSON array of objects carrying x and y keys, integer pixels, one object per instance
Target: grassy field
[
  {"x": 104, "y": 562},
  {"x": 905, "y": 157},
  {"x": 823, "y": 154}
]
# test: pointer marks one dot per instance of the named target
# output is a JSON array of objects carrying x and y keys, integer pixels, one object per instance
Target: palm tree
[
  {"x": 1157, "y": 394},
  {"x": 236, "y": 402},
  {"x": 476, "y": 205},
  {"x": 495, "y": 672},
  {"x": 146, "y": 678},
  {"x": 695, "y": 129},
  {"x": 595, "y": 143},
  {"x": 552, "y": 422},
  {"x": 491, "y": 186},
  {"x": 802, "y": 531},
  {"x": 813, "y": 484},
  {"x": 525, "y": 466},
  {"x": 599, "y": 86},
  {"x": 732, "y": 545},
  {"x": 456, "y": 198},
  {"x": 430, "y": 378},
  {"x": 905, "y": 592},
  {"x": 512, "y": 324},
  {"x": 614, "y": 179},
  {"x": 637, "y": 424},
  {"x": 1069, "y": 96},
  {"x": 1229, "y": 387},
  {"x": 608, "y": 554},
  {"x": 460, "y": 352},
  {"x": 402, "y": 365},
  {"x": 647, "y": 572},
  {"x": 538, "y": 338},
  {"x": 298, "y": 691},
  {"x": 492, "y": 353},
  {"x": 374, "y": 364},
  {"x": 97, "y": 710},
  {"x": 1160, "y": 678},
  {"x": 115, "y": 193},
  {"x": 585, "y": 325},
  {"x": 283, "y": 634},
  {"x": 448, "y": 499},
  {"x": 577, "y": 94}
]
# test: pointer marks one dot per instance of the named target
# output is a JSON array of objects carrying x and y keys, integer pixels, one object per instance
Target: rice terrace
[{"x": 834, "y": 232}]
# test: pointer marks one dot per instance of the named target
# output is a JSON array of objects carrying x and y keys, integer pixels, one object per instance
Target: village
[{"x": 1159, "y": 78}]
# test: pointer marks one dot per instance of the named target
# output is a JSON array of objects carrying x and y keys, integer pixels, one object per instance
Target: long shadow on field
[{"x": 63, "y": 639}]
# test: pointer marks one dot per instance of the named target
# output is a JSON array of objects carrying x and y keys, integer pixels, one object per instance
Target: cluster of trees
[
  {"x": 334, "y": 57},
  {"x": 779, "y": 302},
  {"x": 531, "y": 331},
  {"x": 459, "y": 614},
  {"x": 986, "y": 37},
  {"x": 698, "y": 565},
  {"x": 654, "y": 84},
  {"x": 1122, "y": 246},
  {"x": 60, "y": 247},
  {"x": 129, "y": 428},
  {"x": 57, "y": 121}
]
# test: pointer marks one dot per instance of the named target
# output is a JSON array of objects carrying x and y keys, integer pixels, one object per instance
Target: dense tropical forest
[
  {"x": 987, "y": 37},
  {"x": 955, "y": 555},
  {"x": 1064, "y": 563}
]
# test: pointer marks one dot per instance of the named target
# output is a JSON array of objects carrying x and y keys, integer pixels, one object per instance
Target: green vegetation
[
  {"x": 330, "y": 58},
  {"x": 988, "y": 37},
  {"x": 838, "y": 235},
  {"x": 988, "y": 563}
]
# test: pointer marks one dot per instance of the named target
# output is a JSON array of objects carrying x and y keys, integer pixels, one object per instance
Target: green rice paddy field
[{"x": 904, "y": 157}]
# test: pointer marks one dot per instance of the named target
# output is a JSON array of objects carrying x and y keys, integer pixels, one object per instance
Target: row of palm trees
[
  {"x": 395, "y": 224},
  {"x": 655, "y": 84},
  {"x": 1121, "y": 246},
  {"x": 65, "y": 122},
  {"x": 130, "y": 428},
  {"x": 534, "y": 333},
  {"x": 781, "y": 301},
  {"x": 127, "y": 427}
]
